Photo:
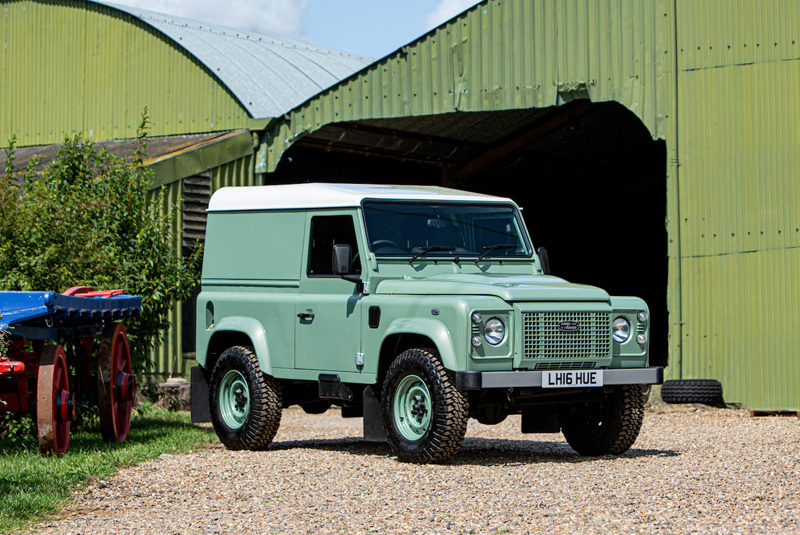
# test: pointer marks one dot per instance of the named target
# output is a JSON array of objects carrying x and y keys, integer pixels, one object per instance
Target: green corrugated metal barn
[
  {"x": 80, "y": 66},
  {"x": 653, "y": 145}
]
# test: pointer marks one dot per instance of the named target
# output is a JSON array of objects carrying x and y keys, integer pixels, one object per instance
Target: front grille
[
  {"x": 564, "y": 365},
  {"x": 553, "y": 335}
]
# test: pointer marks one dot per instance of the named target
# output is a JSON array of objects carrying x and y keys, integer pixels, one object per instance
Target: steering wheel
[
  {"x": 383, "y": 243},
  {"x": 353, "y": 263}
]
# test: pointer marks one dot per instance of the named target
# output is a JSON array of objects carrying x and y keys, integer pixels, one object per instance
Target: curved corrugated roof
[{"x": 269, "y": 75}]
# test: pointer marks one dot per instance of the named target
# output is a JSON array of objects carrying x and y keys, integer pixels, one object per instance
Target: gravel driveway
[{"x": 693, "y": 470}]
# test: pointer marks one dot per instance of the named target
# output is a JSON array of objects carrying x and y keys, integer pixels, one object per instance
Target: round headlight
[
  {"x": 621, "y": 330},
  {"x": 494, "y": 331}
]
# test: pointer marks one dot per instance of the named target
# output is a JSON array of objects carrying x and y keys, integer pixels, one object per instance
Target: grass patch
[{"x": 33, "y": 487}]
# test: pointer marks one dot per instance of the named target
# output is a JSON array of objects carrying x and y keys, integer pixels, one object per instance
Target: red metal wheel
[
  {"x": 115, "y": 383},
  {"x": 55, "y": 404}
]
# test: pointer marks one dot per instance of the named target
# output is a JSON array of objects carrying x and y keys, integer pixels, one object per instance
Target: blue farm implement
[{"x": 49, "y": 361}]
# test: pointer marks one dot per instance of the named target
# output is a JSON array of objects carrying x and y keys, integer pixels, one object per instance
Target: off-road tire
[
  {"x": 264, "y": 415},
  {"x": 705, "y": 391},
  {"x": 608, "y": 427},
  {"x": 449, "y": 409}
]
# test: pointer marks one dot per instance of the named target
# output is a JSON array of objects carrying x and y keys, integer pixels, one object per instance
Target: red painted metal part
[
  {"x": 78, "y": 290},
  {"x": 26, "y": 366},
  {"x": 11, "y": 367},
  {"x": 55, "y": 406},
  {"x": 87, "y": 291},
  {"x": 116, "y": 385}
]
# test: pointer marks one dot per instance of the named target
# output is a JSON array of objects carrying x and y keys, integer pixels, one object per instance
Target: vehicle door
[{"x": 328, "y": 309}]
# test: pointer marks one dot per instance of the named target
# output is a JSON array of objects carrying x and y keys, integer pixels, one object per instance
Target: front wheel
[
  {"x": 424, "y": 416},
  {"x": 245, "y": 403},
  {"x": 609, "y": 427}
]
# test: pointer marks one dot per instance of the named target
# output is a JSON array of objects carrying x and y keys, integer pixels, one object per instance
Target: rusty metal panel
[
  {"x": 739, "y": 146},
  {"x": 78, "y": 66},
  {"x": 503, "y": 55}
]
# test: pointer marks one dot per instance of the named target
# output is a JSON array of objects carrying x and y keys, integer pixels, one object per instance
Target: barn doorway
[{"x": 589, "y": 176}]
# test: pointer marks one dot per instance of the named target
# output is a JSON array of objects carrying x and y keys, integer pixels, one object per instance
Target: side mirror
[
  {"x": 544, "y": 260},
  {"x": 342, "y": 255}
]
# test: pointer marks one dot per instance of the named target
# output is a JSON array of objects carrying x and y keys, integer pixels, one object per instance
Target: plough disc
[
  {"x": 55, "y": 404},
  {"x": 116, "y": 385}
]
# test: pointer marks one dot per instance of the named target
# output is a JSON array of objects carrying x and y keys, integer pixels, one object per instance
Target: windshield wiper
[
  {"x": 430, "y": 249},
  {"x": 497, "y": 247}
]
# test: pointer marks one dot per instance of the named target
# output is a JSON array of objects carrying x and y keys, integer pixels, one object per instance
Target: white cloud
[
  {"x": 272, "y": 17},
  {"x": 446, "y": 10}
]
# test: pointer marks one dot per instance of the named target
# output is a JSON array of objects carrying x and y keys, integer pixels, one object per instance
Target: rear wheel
[
  {"x": 245, "y": 403},
  {"x": 424, "y": 416},
  {"x": 607, "y": 427},
  {"x": 116, "y": 385}
]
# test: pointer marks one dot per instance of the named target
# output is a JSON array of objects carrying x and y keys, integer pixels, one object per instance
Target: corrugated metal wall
[
  {"x": 507, "y": 54},
  {"x": 739, "y": 146},
  {"x": 719, "y": 80},
  {"x": 733, "y": 139},
  {"x": 169, "y": 359},
  {"x": 83, "y": 50}
]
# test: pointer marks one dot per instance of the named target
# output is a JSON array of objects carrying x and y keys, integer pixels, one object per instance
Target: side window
[{"x": 327, "y": 231}]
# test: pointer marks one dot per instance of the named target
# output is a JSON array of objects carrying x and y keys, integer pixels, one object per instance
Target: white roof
[{"x": 294, "y": 196}]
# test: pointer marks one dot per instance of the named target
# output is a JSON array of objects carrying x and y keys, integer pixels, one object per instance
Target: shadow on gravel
[
  {"x": 476, "y": 451},
  {"x": 495, "y": 451},
  {"x": 355, "y": 446}
]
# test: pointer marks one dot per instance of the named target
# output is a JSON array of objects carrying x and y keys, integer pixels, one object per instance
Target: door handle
[{"x": 306, "y": 315}]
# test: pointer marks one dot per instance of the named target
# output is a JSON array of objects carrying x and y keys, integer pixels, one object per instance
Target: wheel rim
[
  {"x": 116, "y": 384},
  {"x": 234, "y": 399},
  {"x": 55, "y": 405},
  {"x": 412, "y": 407}
]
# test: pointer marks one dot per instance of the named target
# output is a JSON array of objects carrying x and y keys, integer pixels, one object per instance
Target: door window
[{"x": 327, "y": 231}]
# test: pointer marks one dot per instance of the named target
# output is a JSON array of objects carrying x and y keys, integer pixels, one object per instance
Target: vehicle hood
[{"x": 510, "y": 288}]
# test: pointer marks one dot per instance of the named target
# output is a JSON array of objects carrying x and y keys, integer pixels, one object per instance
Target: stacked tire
[{"x": 705, "y": 391}]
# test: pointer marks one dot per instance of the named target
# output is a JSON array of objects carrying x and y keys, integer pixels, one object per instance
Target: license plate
[{"x": 572, "y": 379}]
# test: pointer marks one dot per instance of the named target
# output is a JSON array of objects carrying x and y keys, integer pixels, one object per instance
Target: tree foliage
[{"x": 88, "y": 218}]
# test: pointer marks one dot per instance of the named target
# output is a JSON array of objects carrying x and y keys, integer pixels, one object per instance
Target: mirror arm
[{"x": 362, "y": 287}]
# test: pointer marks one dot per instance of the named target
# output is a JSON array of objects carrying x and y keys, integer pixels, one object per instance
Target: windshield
[{"x": 445, "y": 229}]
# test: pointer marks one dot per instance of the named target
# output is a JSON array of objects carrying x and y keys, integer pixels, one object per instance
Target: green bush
[{"x": 89, "y": 219}]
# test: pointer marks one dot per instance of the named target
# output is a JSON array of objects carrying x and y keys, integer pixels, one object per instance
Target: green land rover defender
[{"x": 414, "y": 307}]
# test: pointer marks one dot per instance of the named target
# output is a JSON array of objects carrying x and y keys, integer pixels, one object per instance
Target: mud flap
[
  {"x": 201, "y": 412},
  {"x": 373, "y": 422}
]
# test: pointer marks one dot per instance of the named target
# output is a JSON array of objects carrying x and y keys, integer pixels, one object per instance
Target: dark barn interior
[{"x": 590, "y": 179}]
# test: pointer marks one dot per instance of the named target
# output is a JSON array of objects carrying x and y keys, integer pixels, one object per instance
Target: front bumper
[{"x": 520, "y": 379}]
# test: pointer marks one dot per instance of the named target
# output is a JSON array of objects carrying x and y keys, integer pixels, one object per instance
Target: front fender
[
  {"x": 432, "y": 329},
  {"x": 254, "y": 330}
]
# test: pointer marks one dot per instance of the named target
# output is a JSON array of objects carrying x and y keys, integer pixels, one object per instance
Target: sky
[{"x": 371, "y": 28}]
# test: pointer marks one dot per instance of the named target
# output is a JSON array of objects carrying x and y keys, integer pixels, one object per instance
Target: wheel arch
[
  {"x": 238, "y": 331},
  {"x": 420, "y": 333}
]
